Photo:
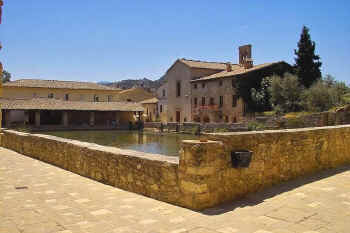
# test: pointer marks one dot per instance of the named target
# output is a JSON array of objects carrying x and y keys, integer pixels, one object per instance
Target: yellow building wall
[
  {"x": 74, "y": 94},
  {"x": 151, "y": 112}
]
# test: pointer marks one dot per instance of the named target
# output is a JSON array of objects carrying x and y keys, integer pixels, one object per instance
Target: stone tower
[{"x": 245, "y": 56}]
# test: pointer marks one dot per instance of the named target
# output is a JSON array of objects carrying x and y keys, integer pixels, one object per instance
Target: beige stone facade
[
  {"x": 179, "y": 87},
  {"x": 72, "y": 91},
  {"x": 207, "y": 91},
  {"x": 151, "y": 112},
  {"x": 162, "y": 95}
]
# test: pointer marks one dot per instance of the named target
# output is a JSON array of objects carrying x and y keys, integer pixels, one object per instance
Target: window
[
  {"x": 203, "y": 85},
  {"x": 163, "y": 92},
  {"x": 109, "y": 98},
  {"x": 221, "y": 101},
  {"x": 211, "y": 101},
  {"x": 66, "y": 97},
  {"x": 128, "y": 100},
  {"x": 195, "y": 86},
  {"x": 178, "y": 89},
  {"x": 195, "y": 102},
  {"x": 50, "y": 95},
  {"x": 96, "y": 99},
  {"x": 185, "y": 119},
  {"x": 234, "y": 83},
  {"x": 203, "y": 101},
  {"x": 234, "y": 100},
  {"x": 161, "y": 108},
  {"x": 220, "y": 83}
]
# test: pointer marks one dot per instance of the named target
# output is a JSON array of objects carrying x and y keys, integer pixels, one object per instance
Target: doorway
[{"x": 178, "y": 116}]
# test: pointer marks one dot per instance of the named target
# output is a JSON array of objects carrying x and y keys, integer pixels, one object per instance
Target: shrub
[
  {"x": 255, "y": 126},
  {"x": 324, "y": 95}
]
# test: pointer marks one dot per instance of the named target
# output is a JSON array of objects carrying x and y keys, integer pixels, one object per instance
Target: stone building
[
  {"x": 64, "y": 90},
  {"x": 135, "y": 94},
  {"x": 151, "y": 112},
  {"x": 162, "y": 95},
  {"x": 207, "y": 92},
  {"x": 65, "y": 104}
]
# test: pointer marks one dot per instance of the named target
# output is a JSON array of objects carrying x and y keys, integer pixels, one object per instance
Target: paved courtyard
[{"x": 36, "y": 197}]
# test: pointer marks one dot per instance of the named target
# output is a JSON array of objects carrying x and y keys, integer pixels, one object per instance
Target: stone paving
[{"x": 36, "y": 197}]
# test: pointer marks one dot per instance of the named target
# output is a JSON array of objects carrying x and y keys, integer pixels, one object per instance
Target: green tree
[
  {"x": 307, "y": 64},
  {"x": 285, "y": 93},
  {"x": 324, "y": 95},
  {"x": 6, "y": 76},
  {"x": 261, "y": 97}
]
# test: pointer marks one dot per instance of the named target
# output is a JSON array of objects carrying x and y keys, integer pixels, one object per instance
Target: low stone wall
[
  {"x": 147, "y": 174},
  {"x": 203, "y": 175},
  {"x": 278, "y": 155}
]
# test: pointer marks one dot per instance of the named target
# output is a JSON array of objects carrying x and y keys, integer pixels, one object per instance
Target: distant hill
[{"x": 145, "y": 83}]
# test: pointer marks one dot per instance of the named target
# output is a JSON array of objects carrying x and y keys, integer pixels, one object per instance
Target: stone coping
[
  {"x": 277, "y": 131},
  {"x": 109, "y": 149}
]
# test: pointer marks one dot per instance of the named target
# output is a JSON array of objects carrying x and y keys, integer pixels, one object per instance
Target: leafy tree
[
  {"x": 325, "y": 94},
  {"x": 261, "y": 96},
  {"x": 307, "y": 64},
  {"x": 285, "y": 93},
  {"x": 6, "y": 76}
]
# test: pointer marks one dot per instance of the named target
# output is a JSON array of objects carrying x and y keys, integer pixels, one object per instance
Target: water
[{"x": 157, "y": 143}]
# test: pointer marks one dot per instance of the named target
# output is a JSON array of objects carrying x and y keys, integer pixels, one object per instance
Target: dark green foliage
[
  {"x": 307, "y": 64},
  {"x": 262, "y": 97},
  {"x": 285, "y": 93},
  {"x": 6, "y": 76},
  {"x": 324, "y": 95},
  {"x": 248, "y": 81}
]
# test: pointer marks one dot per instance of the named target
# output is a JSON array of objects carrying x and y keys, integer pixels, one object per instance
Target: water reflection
[{"x": 167, "y": 144}]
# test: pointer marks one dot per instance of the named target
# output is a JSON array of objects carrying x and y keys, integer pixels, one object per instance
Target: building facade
[
  {"x": 65, "y": 104},
  {"x": 200, "y": 91},
  {"x": 162, "y": 96}
]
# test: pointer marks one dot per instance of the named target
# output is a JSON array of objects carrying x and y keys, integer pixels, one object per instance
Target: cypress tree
[{"x": 307, "y": 64}]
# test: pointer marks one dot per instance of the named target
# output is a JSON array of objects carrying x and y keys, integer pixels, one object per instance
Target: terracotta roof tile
[
  {"x": 234, "y": 72},
  {"x": 56, "y": 104},
  {"x": 206, "y": 64},
  {"x": 38, "y": 83}
]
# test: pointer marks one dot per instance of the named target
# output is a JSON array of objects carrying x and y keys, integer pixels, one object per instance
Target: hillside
[{"x": 130, "y": 83}]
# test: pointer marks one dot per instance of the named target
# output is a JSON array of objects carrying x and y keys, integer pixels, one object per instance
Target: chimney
[
  {"x": 228, "y": 67},
  {"x": 245, "y": 56}
]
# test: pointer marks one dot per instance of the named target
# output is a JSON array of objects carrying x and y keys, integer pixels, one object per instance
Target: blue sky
[{"x": 110, "y": 40}]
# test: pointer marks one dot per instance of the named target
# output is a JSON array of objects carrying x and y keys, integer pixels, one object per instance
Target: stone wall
[
  {"x": 278, "y": 156},
  {"x": 147, "y": 174},
  {"x": 203, "y": 175}
]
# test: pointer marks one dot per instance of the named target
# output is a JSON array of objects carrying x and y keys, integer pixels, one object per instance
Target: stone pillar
[
  {"x": 200, "y": 163},
  {"x": 7, "y": 118},
  {"x": 37, "y": 118},
  {"x": 92, "y": 119},
  {"x": 26, "y": 117},
  {"x": 65, "y": 118}
]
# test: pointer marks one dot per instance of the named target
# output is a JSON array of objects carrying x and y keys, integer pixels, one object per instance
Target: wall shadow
[{"x": 253, "y": 199}]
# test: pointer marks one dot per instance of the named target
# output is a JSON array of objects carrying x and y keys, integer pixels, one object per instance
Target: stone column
[
  {"x": 37, "y": 118},
  {"x": 200, "y": 163},
  {"x": 26, "y": 117},
  {"x": 7, "y": 118},
  {"x": 92, "y": 119},
  {"x": 65, "y": 118}
]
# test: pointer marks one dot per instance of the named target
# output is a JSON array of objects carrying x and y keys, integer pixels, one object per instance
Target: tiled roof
[
  {"x": 38, "y": 83},
  {"x": 150, "y": 101},
  {"x": 238, "y": 71},
  {"x": 134, "y": 95},
  {"x": 206, "y": 64},
  {"x": 56, "y": 104}
]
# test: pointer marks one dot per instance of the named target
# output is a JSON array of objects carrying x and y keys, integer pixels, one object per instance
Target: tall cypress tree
[{"x": 307, "y": 64}]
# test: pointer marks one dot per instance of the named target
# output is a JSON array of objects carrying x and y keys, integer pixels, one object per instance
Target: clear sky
[{"x": 91, "y": 40}]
